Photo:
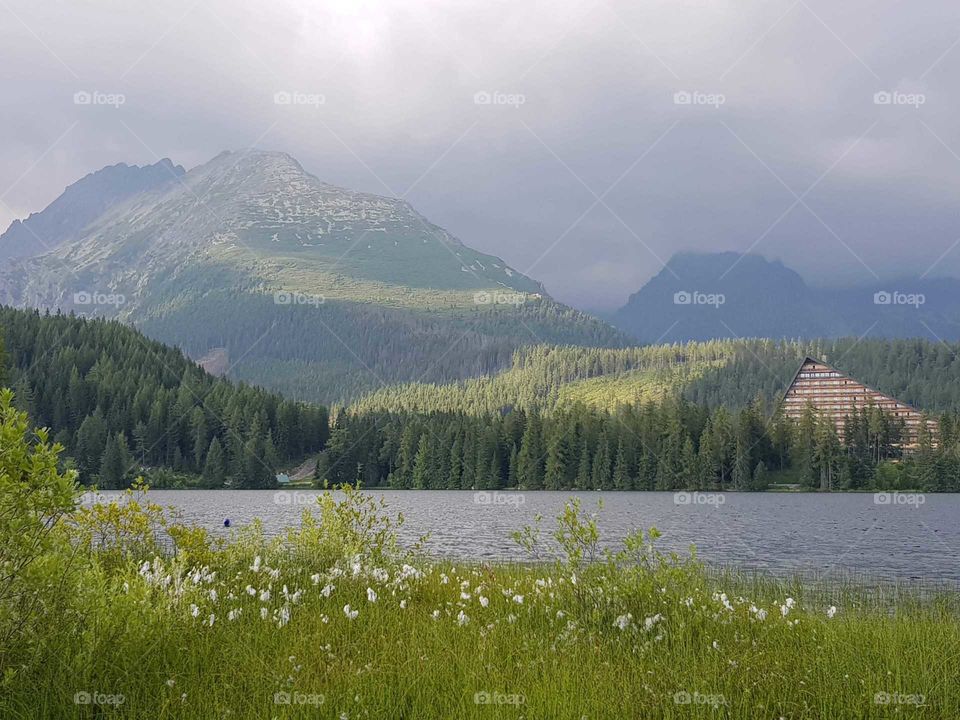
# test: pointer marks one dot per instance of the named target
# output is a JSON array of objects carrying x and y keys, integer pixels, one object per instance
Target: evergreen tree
[{"x": 215, "y": 469}]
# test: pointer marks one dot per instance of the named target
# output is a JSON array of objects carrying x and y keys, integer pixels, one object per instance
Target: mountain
[
  {"x": 728, "y": 295},
  {"x": 80, "y": 204},
  {"x": 296, "y": 284}
]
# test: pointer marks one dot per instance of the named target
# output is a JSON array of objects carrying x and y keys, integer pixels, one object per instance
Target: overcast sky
[{"x": 586, "y": 169}]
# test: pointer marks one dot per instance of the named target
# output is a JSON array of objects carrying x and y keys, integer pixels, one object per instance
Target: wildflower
[
  {"x": 234, "y": 614},
  {"x": 350, "y": 613},
  {"x": 265, "y": 595},
  {"x": 484, "y": 601},
  {"x": 371, "y": 595},
  {"x": 194, "y": 610},
  {"x": 380, "y": 575},
  {"x": 511, "y": 618},
  {"x": 213, "y": 595},
  {"x": 171, "y": 682},
  {"x": 716, "y": 645},
  {"x": 251, "y": 590},
  {"x": 403, "y": 604},
  {"x": 444, "y": 579},
  {"x": 436, "y": 615},
  {"x": 256, "y": 564},
  {"x": 464, "y": 596},
  {"x": 275, "y": 573},
  {"x": 284, "y": 616},
  {"x": 831, "y": 611},
  {"x": 560, "y": 615},
  {"x": 324, "y": 619},
  {"x": 623, "y": 622},
  {"x": 462, "y": 618},
  {"x": 264, "y": 613},
  {"x": 688, "y": 602},
  {"x": 315, "y": 578},
  {"x": 649, "y": 622},
  {"x": 518, "y": 599},
  {"x": 211, "y": 619}
]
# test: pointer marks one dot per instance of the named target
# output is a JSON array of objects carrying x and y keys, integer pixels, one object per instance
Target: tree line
[
  {"x": 669, "y": 445},
  {"x": 122, "y": 405}
]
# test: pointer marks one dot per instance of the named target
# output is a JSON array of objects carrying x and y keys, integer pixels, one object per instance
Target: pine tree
[
  {"x": 214, "y": 469},
  {"x": 115, "y": 461},
  {"x": 621, "y": 473}
]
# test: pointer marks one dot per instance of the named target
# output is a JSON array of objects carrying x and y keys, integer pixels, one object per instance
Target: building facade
[{"x": 833, "y": 394}]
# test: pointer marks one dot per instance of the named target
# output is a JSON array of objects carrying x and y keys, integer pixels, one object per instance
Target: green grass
[{"x": 628, "y": 636}]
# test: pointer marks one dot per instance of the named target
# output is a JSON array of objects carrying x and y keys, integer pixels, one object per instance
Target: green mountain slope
[
  {"x": 123, "y": 405},
  {"x": 730, "y": 373},
  {"x": 298, "y": 284}
]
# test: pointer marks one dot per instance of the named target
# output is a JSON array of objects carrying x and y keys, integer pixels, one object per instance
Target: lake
[{"x": 898, "y": 536}]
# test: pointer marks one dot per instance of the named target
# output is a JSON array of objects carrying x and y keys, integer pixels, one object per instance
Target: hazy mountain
[
  {"x": 297, "y": 284},
  {"x": 80, "y": 204},
  {"x": 726, "y": 295}
]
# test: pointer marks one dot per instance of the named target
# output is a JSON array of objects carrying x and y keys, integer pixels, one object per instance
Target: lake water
[{"x": 892, "y": 536}]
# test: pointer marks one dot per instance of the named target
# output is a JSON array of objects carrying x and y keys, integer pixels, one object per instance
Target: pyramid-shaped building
[{"x": 833, "y": 394}]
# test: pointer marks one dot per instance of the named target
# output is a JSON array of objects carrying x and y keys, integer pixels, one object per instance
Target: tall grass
[{"x": 334, "y": 620}]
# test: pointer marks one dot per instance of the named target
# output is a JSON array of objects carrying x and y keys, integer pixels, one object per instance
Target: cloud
[{"x": 582, "y": 167}]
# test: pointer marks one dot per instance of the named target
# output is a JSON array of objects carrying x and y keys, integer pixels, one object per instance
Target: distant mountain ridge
[
  {"x": 309, "y": 288},
  {"x": 80, "y": 204},
  {"x": 729, "y": 295}
]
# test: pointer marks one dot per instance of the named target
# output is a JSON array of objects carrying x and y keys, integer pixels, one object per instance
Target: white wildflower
[
  {"x": 315, "y": 578},
  {"x": 831, "y": 611},
  {"x": 350, "y": 613},
  {"x": 256, "y": 564},
  {"x": 371, "y": 595},
  {"x": 194, "y": 610},
  {"x": 484, "y": 601},
  {"x": 623, "y": 622},
  {"x": 327, "y": 589},
  {"x": 462, "y": 618},
  {"x": 518, "y": 599},
  {"x": 265, "y": 595}
]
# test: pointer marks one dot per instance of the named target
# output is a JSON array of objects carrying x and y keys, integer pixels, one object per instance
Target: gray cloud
[{"x": 878, "y": 182}]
